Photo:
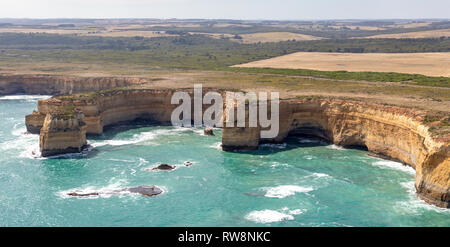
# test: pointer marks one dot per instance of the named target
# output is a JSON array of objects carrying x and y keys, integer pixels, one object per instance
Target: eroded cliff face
[
  {"x": 110, "y": 108},
  {"x": 59, "y": 85},
  {"x": 393, "y": 132},
  {"x": 62, "y": 133},
  {"x": 389, "y": 131}
]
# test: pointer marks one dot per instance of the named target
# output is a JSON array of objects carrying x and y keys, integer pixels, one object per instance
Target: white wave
[
  {"x": 32, "y": 151},
  {"x": 119, "y": 160},
  {"x": 18, "y": 131},
  {"x": 286, "y": 190},
  {"x": 217, "y": 145},
  {"x": 143, "y": 137},
  {"x": 268, "y": 216},
  {"x": 198, "y": 131},
  {"x": 295, "y": 212},
  {"x": 142, "y": 161},
  {"x": 335, "y": 147},
  {"x": 416, "y": 205},
  {"x": 26, "y": 144},
  {"x": 309, "y": 157},
  {"x": 24, "y": 97},
  {"x": 276, "y": 164},
  {"x": 320, "y": 175},
  {"x": 292, "y": 212},
  {"x": 272, "y": 145},
  {"x": 394, "y": 165}
]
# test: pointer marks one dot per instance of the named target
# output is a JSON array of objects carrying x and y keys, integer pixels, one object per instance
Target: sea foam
[
  {"x": 286, "y": 190},
  {"x": 394, "y": 165},
  {"x": 268, "y": 216},
  {"x": 25, "y": 97},
  {"x": 414, "y": 204},
  {"x": 142, "y": 137}
]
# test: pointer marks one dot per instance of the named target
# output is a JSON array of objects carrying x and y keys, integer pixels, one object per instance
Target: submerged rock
[
  {"x": 208, "y": 132},
  {"x": 85, "y": 194},
  {"x": 164, "y": 167},
  {"x": 143, "y": 190}
]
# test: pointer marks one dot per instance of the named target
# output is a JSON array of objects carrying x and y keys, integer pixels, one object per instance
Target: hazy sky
[{"x": 227, "y": 9}]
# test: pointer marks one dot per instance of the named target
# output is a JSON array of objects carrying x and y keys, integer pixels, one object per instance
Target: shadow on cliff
[
  {"x": 111, "y": 131},
  {"x": 290, "y": 143}
]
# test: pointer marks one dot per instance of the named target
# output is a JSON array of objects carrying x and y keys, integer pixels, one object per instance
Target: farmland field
[
  {"x": 430, "y": 64},
  {"x": 414, "y": 35}
]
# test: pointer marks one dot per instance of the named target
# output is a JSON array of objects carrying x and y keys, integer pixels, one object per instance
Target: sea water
[{"x": 301, "y": 182}]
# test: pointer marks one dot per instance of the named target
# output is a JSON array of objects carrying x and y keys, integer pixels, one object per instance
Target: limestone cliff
[
  {"x": 59, "y": 85},
  {"x": 389, "y": 131},
  {"x": 393, "y": 132},
  {"x": 62, "y": 133},
  {"x": 34, "y": 122}
]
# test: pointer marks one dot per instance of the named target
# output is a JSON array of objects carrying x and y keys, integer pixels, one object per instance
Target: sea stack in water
[
  {"x": 208, "y": 132},
  {"x": 62, "y": 133},
  {"x": 164, "y": 167}
]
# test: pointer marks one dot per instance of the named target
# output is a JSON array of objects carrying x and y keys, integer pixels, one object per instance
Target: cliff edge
[{"x": 393, "y": 132}]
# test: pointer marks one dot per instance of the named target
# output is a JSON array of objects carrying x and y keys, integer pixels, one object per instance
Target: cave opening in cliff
[
  {"x": 310, "y": 132},
  {"x": 313, "y": 131}
]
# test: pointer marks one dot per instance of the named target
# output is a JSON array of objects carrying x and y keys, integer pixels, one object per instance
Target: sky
[{"x": 227, "y": 9}]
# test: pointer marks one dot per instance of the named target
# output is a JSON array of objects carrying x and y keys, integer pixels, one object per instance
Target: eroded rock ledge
[
  {"x": 59, "y": 85},
  {"x": 394, "y": 132}
]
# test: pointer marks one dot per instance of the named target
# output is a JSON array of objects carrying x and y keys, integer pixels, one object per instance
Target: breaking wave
[
  {"x": 336, "y": 147},
  {"x": 286, "y": 190},
  {"x": 141, "y": 138},
  {"x": 268, "y": 216},
  {"x": 217, "y": 145},
  {"x": 394, "y": 165},
  {"x": 414, "y": 204},
  {"x": 25, "y": 97}
]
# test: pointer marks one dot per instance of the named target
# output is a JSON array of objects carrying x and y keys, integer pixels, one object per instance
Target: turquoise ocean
[{"x": 302, "y": 182}]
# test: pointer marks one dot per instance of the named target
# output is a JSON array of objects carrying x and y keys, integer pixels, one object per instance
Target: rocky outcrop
[
  {"x": 208, "y": 132},
  {"x": 164, "y": 167},
  {"x": 61, "y": 133},
  {"x": 143, "y": 190},
  {"x": 108, "y": 108},
  {"x": 34, "y": 122},
  {"x": 392, "y": 132},
  {"x": 60, "y": 85}
]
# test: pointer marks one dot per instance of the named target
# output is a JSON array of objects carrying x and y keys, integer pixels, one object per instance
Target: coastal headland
[{"x": 400, "y": 133}]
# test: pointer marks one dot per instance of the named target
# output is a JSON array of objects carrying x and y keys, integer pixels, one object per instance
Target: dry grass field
[
  {"x": 430, "y": 64},
  {"x": 410, "y": 24},
  {"x": 354, "y": 27},
  {"x": 414, "y": 35},
  {"x": 254, "y": 38},
  {"x": 275, "y": 37}
]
